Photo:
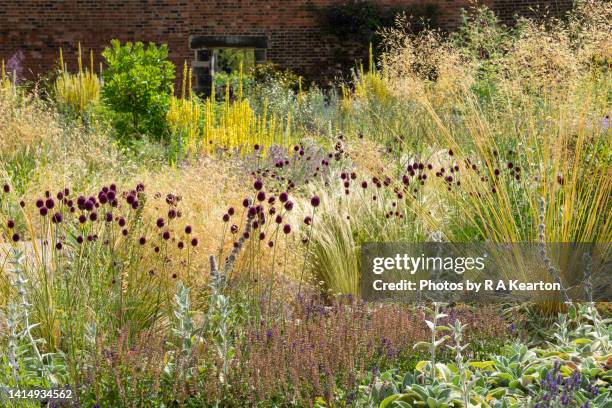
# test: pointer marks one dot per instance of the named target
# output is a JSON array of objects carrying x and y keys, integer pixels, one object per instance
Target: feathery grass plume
[{"x": 77, "y": 92}]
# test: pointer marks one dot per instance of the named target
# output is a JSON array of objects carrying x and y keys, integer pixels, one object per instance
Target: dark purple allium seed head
[
  {"x": 278, "y": 219},
  {"x": 142, "y": 241},
  {"x": 256, "y": 146},
  {"x": 6, "y": 188},
  {"x": 111, "y": 195},
  {"x": 286, "y": 228},
  {"x": 15, "y": 237},
  {"x": 258, "y": 184},
  {"x": 289, "y": 205},
  {"x": 231, "y": 211},
  {"x": 58, "y": 246},
  {"x": 22, "y": 204},
  {"x": 56, "y": 218},
  {"x": 166, "y": 235},
  {"x": 160, "y": 222},
  {"x": 270, "y": 244},
  {"x": 307, "y": 220},
  {"x": 315, "y": 201},
  {"x": 252, "y": 212},
  {"x": 49, "y": 203},
  {"x": 262, "y": 236},
  {"x": 135, "y": 205},
  {"x": 172, "y": 214},
  {"x": 90, "y": 238},
  {"x": 79, "y": 239},
  {"x": 180, "y": 245},
  {"x": 450, "y": 152},
  {"x": 226, "y": 217},
  {"x": 364, "y": 184},
  {"x": 246, "y": 202},
  {"x": 89, "y": 205},
  {"x": 194, "y": 242},
  {"x": 140, "y": 187},
  {"x": 130, "y": 198},
  {"x": 283, "y": 197},
  {"x": 121, "y": 222},
  {"x": 261, "y": 196},
  {"x": 234, "y": 228},
  {"x": 10, "y": 224},
  {"x": 93, "y": 216},
  {"x": 43, "y": 211},
  {"x": 124, "y": 232},
  {"x": 188, "y": 229},
  {"x": 496, "y": 171},
  {"x": 82, "y": 218},
  {"x": 60, "y": 195}
]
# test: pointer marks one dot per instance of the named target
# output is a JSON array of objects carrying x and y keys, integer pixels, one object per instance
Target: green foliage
[
  {"x": 570, "y": 371},
  {"x": 137, "y": 88},
  {"x": 361, "y": 20}
]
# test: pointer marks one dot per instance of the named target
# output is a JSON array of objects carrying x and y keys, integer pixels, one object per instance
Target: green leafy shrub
[{"x": 137, "y": 88}]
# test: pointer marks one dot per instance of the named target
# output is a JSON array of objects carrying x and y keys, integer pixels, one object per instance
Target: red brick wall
[{"x": 40, "y": 27}]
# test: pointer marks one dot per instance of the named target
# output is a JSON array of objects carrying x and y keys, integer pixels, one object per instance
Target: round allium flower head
[
  {"x": 142, "y": 241},
  {"x": 124, "y": 232},
  {"x": 315, "y": 201},
  {"x": 10, "y": 224},
  {"x": 135, "y": 205},
  {"x": 234, "y": 228},
  {"x": 93, "y": 216},
  {"x": 58, "y": 246},
  {"x": 43, "y": 211},
  {"x": 180, "y": 245},
  {"x": 90, "y": 238},
  {"x": 80, "y": 239},
  {"x": 450, "y": 152},
  {"x": 289, "y": 205},
  {"x": 256, "y": 146},
  {"x": 226, "y": 217},
  {"x": 160, "y": 222},
  {"x": 103, "y": 197},
  {"x": 140, "y": 187},
  {"x": 246, "y": 203},
  {"x": 156, "y": 249},
  {"x": 81, "y": 201},
  {"x": 278, "y": 219},
  {"x": 15, "y": 237},
  {"x": 82, "y": 219},
  {"x": 111, "y": 195},
  {"x": 6, "y": 188},
  {"x": 49, "y": 203},
  {"x": 188, "y": 229},
  {"x": 231, "y": 211},
  {"x": 286, "y": 228},
  {"x": 307, "y": 220},
  {"x": 497, "y": 172},
  {"x": 246, "y": 235},
  {"x": 194, "y": 242},
  {"x": 261, "y": 196},
  {"x": 270, "y": 244},
  {"x": 89, "y": 205},
  {"x": 252, "y": 211},
  {"x": 121, "y": 222},
  {"x": 258, "y": 184},
  {"x": 364, "y": 184},
  {"x": 22, "y": 204},
  {"x": 130, "y": 198},
  {"x": 262, "y": 236},
  {"x": 56, "y": 218},
  {"x": 283, "y": 197},
  {"x": 166, "y": 235},
  {"x": 60, "y": 195}
]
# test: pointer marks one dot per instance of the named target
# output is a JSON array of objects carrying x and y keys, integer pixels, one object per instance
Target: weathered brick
[{"x": 295, "y": 39}]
